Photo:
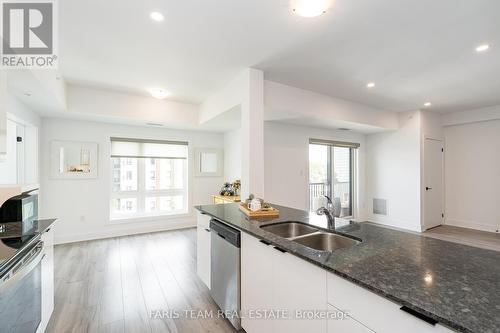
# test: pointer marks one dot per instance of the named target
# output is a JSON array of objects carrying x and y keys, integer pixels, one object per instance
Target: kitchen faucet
[{"x": 329, "y": 212}]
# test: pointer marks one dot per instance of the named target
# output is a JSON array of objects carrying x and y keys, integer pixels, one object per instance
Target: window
[
  {"x": 331, "y": 173},
  {"x": 149, "y": 178}
]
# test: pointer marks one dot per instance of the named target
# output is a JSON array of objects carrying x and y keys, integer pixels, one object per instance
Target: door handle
[
  {"x": 207, "y": 230},
  {"x": 419, "y": 315},
  {"x": 427, "y": 188},
  {"x": 280, "y": 249}
]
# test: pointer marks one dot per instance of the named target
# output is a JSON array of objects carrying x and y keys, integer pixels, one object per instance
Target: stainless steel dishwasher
[{"x": 225, "y": 270}]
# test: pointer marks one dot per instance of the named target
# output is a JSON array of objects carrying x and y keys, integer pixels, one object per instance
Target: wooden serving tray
[{"x": 268, "y": 212}]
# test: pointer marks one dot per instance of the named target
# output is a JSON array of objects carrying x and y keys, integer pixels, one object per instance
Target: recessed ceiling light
[
  {"x": 483, "y": 48},
  {"x": 157, "y": 16},
  {"x": 310, "y": 8},
  {"x": 427, "y": 104},
  {"x": 159, "y": 93},
  {"x": 370, "y": 85}
]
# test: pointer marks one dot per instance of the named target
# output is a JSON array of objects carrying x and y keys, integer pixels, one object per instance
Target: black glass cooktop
[{"x": 13, "y": 237}]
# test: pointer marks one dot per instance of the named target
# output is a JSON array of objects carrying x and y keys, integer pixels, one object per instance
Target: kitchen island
[{"x": 441, "y": 284}]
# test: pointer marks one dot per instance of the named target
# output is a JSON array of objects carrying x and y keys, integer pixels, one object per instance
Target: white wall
[
  {"x": 393, "y": 173},
  {"x": 286, "y": 175},
  {"x": 232, "y": 155},
  {"x": 472, "y": 175},
  {"x": 224, "y": 99},
  {"x": 470, "y": 116},
  {"x": 83, "y": 205},
  {"x": 109, "y": 104},
  {"x": 285, "y": 102},
  {"x": 245, "y": 92},
  {"x": 430, "y": 124}
]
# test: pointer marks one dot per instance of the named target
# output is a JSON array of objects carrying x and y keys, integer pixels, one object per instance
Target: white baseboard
[
  {"x": 472, "y": 225},
  {"x": 64, "y": 239}
]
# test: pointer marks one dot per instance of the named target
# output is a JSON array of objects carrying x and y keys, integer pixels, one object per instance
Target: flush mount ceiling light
[
  {"x": 310, "y": 8},
  {"x": 157, "y": 16},
  {"x": 159, "y": 93},
  {"x": 482, "y": 48},
  {"x": 427, "y": 104},
  {"x": 370, "y": 85}
]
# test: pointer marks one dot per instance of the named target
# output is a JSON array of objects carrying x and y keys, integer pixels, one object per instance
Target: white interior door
[
  {"x": 21, "y": 158},
  {"x": 433, "y": 183},
  {"x": 8, "y": 168}
]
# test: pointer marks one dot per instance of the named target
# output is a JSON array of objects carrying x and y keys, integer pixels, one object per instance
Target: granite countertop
[
  {"x": 44, "y": 224},
  {"x": 457, "y": 285}
]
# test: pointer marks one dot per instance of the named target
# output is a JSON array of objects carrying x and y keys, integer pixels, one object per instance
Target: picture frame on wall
[
  {"x": 209, "y": 162},
  {"x": 73, "y": 160}
]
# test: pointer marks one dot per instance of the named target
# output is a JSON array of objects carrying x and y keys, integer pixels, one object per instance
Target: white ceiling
[{"x": 415, "y": 51}]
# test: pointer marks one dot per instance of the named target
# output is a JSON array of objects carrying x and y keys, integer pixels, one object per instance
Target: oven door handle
[{"x": 23, "y": 269}]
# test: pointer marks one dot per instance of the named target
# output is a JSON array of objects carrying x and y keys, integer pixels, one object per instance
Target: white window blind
[
  {"x": 334, "y": 143},
  {"x": 139, "y": 148},
  {"x": 149, "y": 178}
]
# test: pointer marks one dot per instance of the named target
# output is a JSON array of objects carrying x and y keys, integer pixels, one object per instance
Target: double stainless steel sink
[{"x": 310, "y": 236}]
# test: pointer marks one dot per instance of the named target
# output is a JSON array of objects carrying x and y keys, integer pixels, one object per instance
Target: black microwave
[{"x": 21, "y": 208}]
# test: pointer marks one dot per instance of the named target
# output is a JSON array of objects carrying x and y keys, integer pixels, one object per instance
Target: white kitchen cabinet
[
  {"x": 300, "y": 288},
  {"x": 47, "y": 278},
  {"x": 256, "y": 284},
  {"x": 344, "y": 324},
  {"x": 373, "y": 311},
  {"x": 273, "y": 280},
  {"x": 203, "y": 248}
]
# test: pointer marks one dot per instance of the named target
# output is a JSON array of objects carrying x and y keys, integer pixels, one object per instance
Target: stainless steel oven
[{"x": 21, "y": 292}]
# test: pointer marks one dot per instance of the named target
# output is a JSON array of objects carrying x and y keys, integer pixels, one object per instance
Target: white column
[{"x": 252, "y": 134}]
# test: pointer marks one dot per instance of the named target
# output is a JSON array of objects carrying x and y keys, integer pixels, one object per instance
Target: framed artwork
[
  {"x": 73, "y": 160},
  {"x": 209, "y": 162}
]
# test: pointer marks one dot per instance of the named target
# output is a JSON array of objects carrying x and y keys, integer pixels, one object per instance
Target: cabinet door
[
  {"x": 203, "y": 249},
  {"x": 376, "y": 312},
  {"x": 345, "y": 325},
  {"x": 299, "y": 288},
  {"x": 256, "y": 284},
  {"x": 47, "y": 278}
]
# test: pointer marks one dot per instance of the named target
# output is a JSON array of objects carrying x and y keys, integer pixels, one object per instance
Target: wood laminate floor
[
  {"x": 477, "y": 238},
  {"x": 112, "y": 285}
]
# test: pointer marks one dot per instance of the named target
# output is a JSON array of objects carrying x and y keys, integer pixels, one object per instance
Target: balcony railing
[{"x": 318, "y": 190}]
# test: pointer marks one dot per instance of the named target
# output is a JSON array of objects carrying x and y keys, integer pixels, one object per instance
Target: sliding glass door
[{"x": 331, "y": 174}]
